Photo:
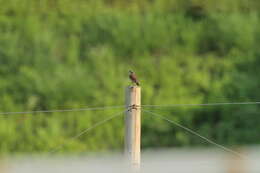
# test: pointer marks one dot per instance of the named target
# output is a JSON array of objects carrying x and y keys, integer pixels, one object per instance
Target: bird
[{"x": 133, "y": 77}]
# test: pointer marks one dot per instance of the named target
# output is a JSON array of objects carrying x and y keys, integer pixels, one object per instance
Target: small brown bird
[{"x": 133, "y": 77}]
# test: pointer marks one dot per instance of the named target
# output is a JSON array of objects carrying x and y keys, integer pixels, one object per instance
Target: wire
[
  {"x": 116, "y": 107},
  {"x": 204, "y": 104},
  {"x": 87, "y": 130},
  {"x": 196, "y": 134},
  {"x": 64, "y": 110}
]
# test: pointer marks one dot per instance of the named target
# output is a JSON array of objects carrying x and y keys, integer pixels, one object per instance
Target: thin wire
[
  {"x": 64, "y": 110},
  {"x": 87, "y": 130},
  {"x": 204, "y": 104},
  {"x": 196, "y": 134},
  {"x": 116, "y": 107}
]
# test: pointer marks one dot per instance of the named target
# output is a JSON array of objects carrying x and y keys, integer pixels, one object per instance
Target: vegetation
[{"x": 59, "y": 54}]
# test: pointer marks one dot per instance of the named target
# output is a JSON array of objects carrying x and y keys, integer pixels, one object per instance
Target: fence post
[
  {"x": 236, "y": 164},
  {"x": 133, "y": 127}
]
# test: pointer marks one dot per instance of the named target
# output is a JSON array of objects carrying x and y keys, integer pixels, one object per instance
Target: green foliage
[{"x": 62, "y": 54}]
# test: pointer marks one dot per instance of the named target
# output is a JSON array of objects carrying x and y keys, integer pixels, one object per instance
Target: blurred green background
[{"x": 59, "y": 54}]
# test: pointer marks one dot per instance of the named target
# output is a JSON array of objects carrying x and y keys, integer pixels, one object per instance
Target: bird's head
[{"x": 131, "y": 72}]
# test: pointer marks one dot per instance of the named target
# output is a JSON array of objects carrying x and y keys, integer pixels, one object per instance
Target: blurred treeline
[{"x": 59, "y": 54}]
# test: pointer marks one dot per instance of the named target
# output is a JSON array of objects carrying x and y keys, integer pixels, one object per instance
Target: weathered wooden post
[
  {"x": 133, "y": 127},
  {"x": 236, "y": 164}
]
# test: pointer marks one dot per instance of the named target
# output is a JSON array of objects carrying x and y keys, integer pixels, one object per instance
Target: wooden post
[
  {"x": 133, "y": 127},
  {"x": 236, "y": 164}
]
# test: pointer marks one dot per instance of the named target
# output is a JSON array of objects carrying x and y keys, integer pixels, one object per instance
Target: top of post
[{"x": 133, "y": 87}]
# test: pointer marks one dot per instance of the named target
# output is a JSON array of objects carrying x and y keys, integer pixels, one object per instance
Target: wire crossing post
[{"x": 133, "y": 127}]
